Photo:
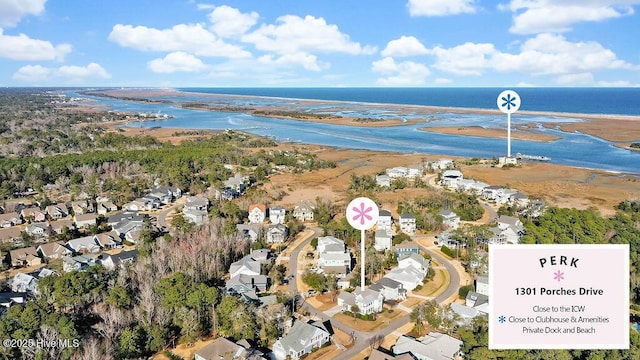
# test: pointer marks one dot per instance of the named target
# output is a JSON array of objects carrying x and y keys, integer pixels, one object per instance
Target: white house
[
  {"x": 196, "y": 209},
  {"x": 442, "y": 164},
  {"x": 303, "y": 211},
  {"x": 277, "y": 215},
  {"x": 257, "y": 213},
  {"x": 450, "y": 178},
  {"x": 491, "y": 192},
  {"x": 450, "y": 219},
  {"x": 433, "y": 346},
  {"x": 482, "y": 285},
  {"x": 414, "y": 260},
  {"x": 110, "y": 262},
  {"x": 512, "y": 228},
  {"x": 384, "y": 220},
  {"x": 333, "y": 256},
  {"x": 409, "y": 277},
  {"x": 408, "y": 224},
  {"x": 301, "y": 339},
  {"x": 368, "y": 301},
  {"x": 382, "y": 240},
  {"x": 23, "y": 283},
  {"x": 503, "y": 196},
  {"x": 277, "y": 233},
  {"x": 519, "y": 199},
  {"x": 390, "y": 289},
  {"x": 57, "y": 211},
  {"x": 86, "y": 244},
  {"x": 245, "y": 266}
]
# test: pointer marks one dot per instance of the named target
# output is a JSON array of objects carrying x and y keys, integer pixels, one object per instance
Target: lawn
[
  {"x": 436, "y": 285},
  {"x": 382, "y": 320}
]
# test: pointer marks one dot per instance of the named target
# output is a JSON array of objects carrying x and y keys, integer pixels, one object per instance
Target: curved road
[{"x": 363, "y": 338}]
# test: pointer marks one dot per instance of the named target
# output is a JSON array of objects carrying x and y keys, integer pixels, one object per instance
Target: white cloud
[
  {"x": 442, "y": 81},
  {"x": 230, "y": 22},
  {"x": 193, "y": 38},
  {"x": 575, "y": 79},
  {"x": 440, "y": 7},
  {"x": 617, "y": 83},
  {"x": 32, "y": 74},
  {"x": 525, "y": 84},
  {"x": 176, "y": 62},
  {"x": 77, "y": 74},
  {"x": 406, "y": 73},
  {"x": 538, "y": 16},
  {"x": 307, "y": 61},
  {"x": 404, "y": 46},
  {"x": 545, "y": 54},
  {"x": 22, "y": 47},
  {"x": 12, "y": 11},
  {"x": 466, "y": 59},
  {"x": 294, "y": 34},
  {"x": 74, "y": 72}
]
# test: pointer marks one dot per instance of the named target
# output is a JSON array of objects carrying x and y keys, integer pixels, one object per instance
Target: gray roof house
[
  {"x": 382, "y": 240},
  {"x": 301, "y": 339},
  {"x": 277, "y": 233},
  {"x": 303, "y": 211},
  {"x": 433, "y": 346},
  {"x": 223, "y": 349},
  {"x": 85, "y": 244},
  {"x": 79, "y": 263},
  {"x": 110, "y": 262},
  {"x": 368, "y": 301},
  {"x": 241, "y": 283},
  {"x": 407, "y": 224},
  {"x": 23, "y": 283},
  {"x": 390, "y": 289}
]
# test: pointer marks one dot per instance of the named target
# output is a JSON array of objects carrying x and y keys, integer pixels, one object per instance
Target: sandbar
[{"x": 490, "y": 133}]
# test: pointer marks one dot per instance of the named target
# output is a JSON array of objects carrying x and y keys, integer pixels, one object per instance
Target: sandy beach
[
  {"x": 529, "y": 135},
  {"x": 615, "y": 128}
]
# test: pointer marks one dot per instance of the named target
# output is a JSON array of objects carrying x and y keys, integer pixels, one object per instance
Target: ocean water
[
  {"x": 623, "y": 101},
  {"x": 575, "y": 149}
]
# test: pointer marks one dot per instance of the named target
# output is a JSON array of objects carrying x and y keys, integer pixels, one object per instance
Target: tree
[
  {"x": 317, "y": 282},
  {"x": 132, "y": 342},
  {"x": 181, "y": 224}
]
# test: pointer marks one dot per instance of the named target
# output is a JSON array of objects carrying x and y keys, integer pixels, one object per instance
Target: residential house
[
  {"x": 303, "y": 211},
  {"x": 475, "y": 299},
  {"x": 403, "y": 172},
  {"x": 519, "y": 200},
  {"x": 415, "y": 261},
  {"x": 450, "y": 178},
  {"x": 33, "y": 214},
  {"x": 171, "y": 191},
  {"x": 385, "y": 220},
  {"x": 390, "y": 289},
  {"x": 333, "y": 256},
  {"x": 57, "y": 211},
  {"x": 408, "y": 224},
  {"x": 59, "y": 225},
  {"x": 407, "y": 247},
  {"x": 25, "y": 257},
  {"x": 10, "y": 298},
  {"x": 83, "y": 245},
  {"x": 10, "y": 219},
  {"x": 442, "y": 164},
  {"x": 236, "y": 183},
  {"x": 241, "y": 283},
  {"x": 53, "y": 250},
  {"x": 277, "y": 215},
  {"x": 153, "y": 201},
  {"x": 163, "y": 198},
  {"x": 367, "y": 301},
  {"x": 383, "y": 180},
  {"x": 23, "y": 283},
  {"x": 491, "y": 192},
  {"x": 450, "y": 219},
  {"x": 250, "y": 231},
  {"x": 108, "y": 240},
  {"x": 277, "y": 233},
  {"x": 257, "y": 213},
  {"x": 77, "y": 263},
  {"x": 85, "y": 220},
  {"x": 111, "y": 262},
  {"x": 482, "y": 285},
  {"x": 465, "y": 314},
  {"x": 433, "y": 346},
  {"x": 245, "y": 266},
  {"x": 140, "y": 204},
  {"x": 11, "y": 234},
  {"x": 503, "y": 196},
  {"x": 383, "y": 354},
  {"x": 82, "y": 207},
  {"x": 104, "y": 207},
  {"x": 512, "y": 228},
  {"x": 196, "y": 209},
  {"x": 301, "y": 339},
  {"x": 223, "y": 349},
  {"x": 471, "y": 186},
  {"x": 382, "y": 240},
  {"x": 38, "y": 230},
  {"x": 408, "y": 275}
]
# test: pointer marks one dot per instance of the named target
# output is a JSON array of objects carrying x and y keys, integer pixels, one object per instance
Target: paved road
[
  {"x": 363, "y": 338},
  {"x": 493, "y": 215}
]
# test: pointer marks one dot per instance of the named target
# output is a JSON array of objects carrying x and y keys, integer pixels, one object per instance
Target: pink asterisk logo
[
  {"x": 361, "y": 213},
  {"x": 558, "y": 275}
]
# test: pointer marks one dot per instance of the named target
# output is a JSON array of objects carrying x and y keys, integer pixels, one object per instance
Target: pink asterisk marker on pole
[{"x": 362, "y": 214}]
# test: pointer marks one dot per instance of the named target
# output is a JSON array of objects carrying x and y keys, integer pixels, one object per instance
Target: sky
[{"x": 328, "y": 43}]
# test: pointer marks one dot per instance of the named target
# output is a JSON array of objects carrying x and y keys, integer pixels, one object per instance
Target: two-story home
[
  {"x": 407, "y": 224},
  {"x": 450, "y": 219},
  {"x": 333, "y": 256},
  {"x": 407, "y": 247},
  {"x": 382, "y": 240},
  {"x": 367, "y": 301},
  {"x": 301, "y": 339},
  {"x": 277, "y": 215},
  {"x": 277, "y": 233},
  {"x": 385, "y": 221},
  {"x": 450, "y": 178},
  {"x": 257, "y": 213},
  {"x": 303, "y": 210},
  {"x": 196, "y": 209},
  {"x": 390, "y": 289}
]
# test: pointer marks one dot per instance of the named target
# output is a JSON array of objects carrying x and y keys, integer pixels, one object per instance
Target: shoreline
[
  {"x": 477, "y": 131},
  {"x": 613, "y": 128}
]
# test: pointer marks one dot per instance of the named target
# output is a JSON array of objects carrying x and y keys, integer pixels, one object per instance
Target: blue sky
[{"x": 329, "y": 43}]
